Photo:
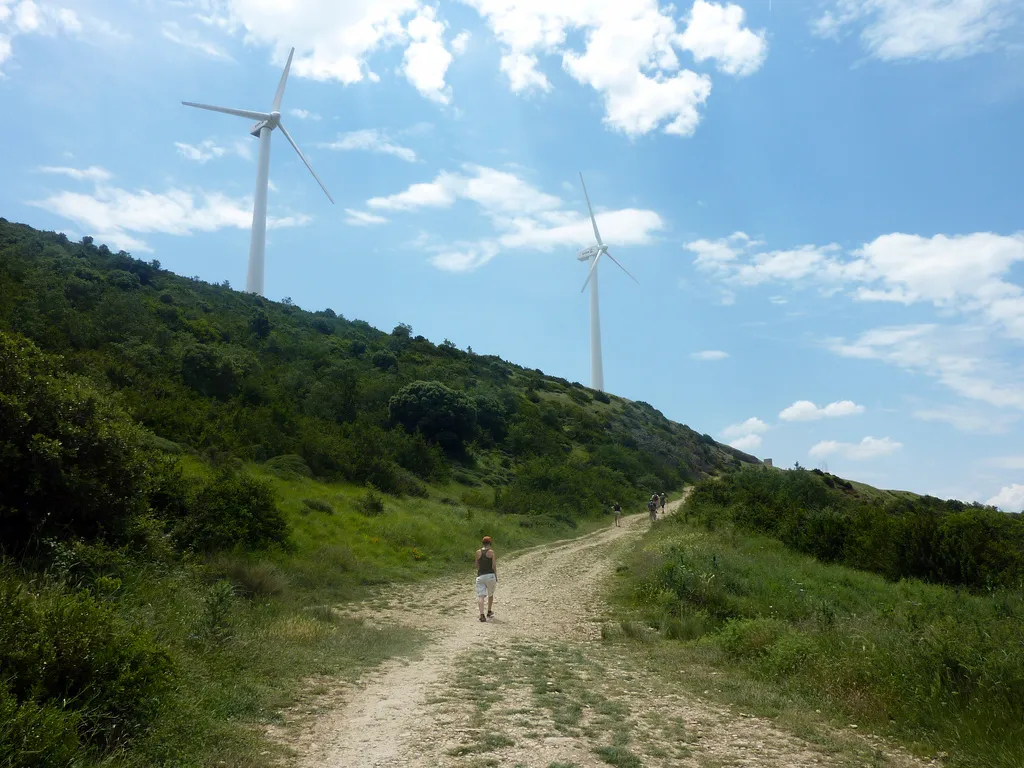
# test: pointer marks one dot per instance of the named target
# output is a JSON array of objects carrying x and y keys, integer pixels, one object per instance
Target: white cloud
[
  {"x": 966, "y": 273},
  {"x": 778, "y": 300},
  {"x": 868, "y": 448},
  {"x": 710, "y": 354},
  {"x": 465, "y": 257},
  {"x": 523, "y": 216},
  {"x": 426, "y": 59},
  {"x": 362, "y": 218},
  {"x": 27, "y": 17},
  {"x": 969, "y": 419},
  {"x": 746, "y": 436},
  {"x": 629, "y": 55},
  {"x": 805, "y": 410},
  {"x": 336, "y": 40},
  {"x": 747, "y": 442},
  {"x": 956, "y": 356},
  {"x": 370, "y": 140},
  {"x": 189, "y": 38},
  {"x": 116, "y": 215},
  {"x": 717, "y": 32},
  {"x": 727, "y": 298},
  {"x": 1009, "y": 499},
  {"x": 920, "y": 29},
  {"x": 92, "y": 173},
  {"x": 303, "y": 114},
  {"x": 209, "y": 149},
  {"x": 460, "y": 42}
]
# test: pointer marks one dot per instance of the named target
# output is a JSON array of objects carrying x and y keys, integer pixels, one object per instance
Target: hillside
[
  {"x": 224, "y": 372},
  {"x": 194, "y": 478},
  {"x": 801, "y": 596}
]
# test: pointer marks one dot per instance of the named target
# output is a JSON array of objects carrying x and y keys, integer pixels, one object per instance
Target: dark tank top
[{"x": 486, "y": 564}]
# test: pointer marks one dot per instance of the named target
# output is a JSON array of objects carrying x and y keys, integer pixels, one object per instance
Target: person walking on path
[
  {"x": 652, "y": 507},
  {"x": 617, "y": 509},
  {"x": 486, "y": 578},
  {"x": 663, "y": 499}
]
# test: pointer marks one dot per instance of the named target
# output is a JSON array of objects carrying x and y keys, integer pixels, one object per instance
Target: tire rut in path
[{"x": 409, "y": 713}]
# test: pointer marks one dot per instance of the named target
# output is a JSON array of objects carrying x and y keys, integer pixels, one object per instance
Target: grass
[
  {"x": 248, "y": 632},
  {"x": 783, "y": 635}
]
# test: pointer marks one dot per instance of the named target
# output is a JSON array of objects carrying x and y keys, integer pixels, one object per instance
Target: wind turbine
[
  {"x": 594, "y": 254},
  {"x": 265, "y": 125}
]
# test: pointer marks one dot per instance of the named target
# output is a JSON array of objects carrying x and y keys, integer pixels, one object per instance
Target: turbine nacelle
[{"x": 588, "y": 253}]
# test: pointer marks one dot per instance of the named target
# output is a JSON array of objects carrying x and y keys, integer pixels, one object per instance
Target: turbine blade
[
  {"x": 228, "y": 111},
  {"x": 592, "y": 219},
  {"x": 622, "y": 268},
  {"x": 303, "y": 158},
  {"x": 591, "y": 272},
  {"x": 284, "y": 80}
]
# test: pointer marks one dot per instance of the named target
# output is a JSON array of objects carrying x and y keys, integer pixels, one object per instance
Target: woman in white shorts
[{"x": 486, "y": 578}]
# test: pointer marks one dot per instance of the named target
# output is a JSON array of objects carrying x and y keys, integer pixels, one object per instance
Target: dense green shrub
[
  {"x": 68, "y": 651},
  {"x": 71, "y": 462},
  {"x": 441, "y": 414},
  {"x": 945, "y": 542},
  {"x": 233, "y": 509}
]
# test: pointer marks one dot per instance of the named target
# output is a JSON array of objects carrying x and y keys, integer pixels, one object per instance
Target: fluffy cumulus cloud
[
  {"x": 303, "y": 114},
  {"x": 1009, "y": 499},
  {"x": 370, "y": 140},
  {"x": 868, "y": 448},
  {"x": 747, "y": 435},
  {"x": 336, "y": 40},
  {"x": 920, "y": 29},
  {"x": 957, "y": 357},
  {"x": 117, "y": 216},
  {"x": 967, "y": 273},
  {"x": 32, "y": 17},
  {"x": 710, "y": 354},
  {"x": 805, "y": 410},
  {"x": 630, "y": 54},
  {"x": 522, "y": 215}
]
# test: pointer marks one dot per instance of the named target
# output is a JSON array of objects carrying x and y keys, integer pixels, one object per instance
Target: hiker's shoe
[
  {"x": 482, "y": 617},
  {"x": 490, "y": 614}
]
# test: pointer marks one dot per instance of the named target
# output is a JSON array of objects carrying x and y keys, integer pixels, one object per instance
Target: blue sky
[{"x": 821, "y": 199}]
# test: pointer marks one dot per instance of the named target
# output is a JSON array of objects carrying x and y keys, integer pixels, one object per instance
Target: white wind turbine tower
[
  {"x": 594, "y": 253},
  {"x": 266, "y": 123}
]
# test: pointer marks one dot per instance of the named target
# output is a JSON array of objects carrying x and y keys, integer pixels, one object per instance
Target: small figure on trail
[
  {"x": 486, "y": 578},
  {"x": 663, "y": 499},
  {"x": 617, "y": 509},
  {"x": 652, "y": 507}
]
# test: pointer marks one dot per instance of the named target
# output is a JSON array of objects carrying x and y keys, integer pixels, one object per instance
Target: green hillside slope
[
  {"x": 800, "y": 595},
  {"x": 190, "y": 477}
]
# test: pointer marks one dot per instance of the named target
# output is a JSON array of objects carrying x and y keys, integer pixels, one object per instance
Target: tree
[
  {"x": 71, "y": 462},
  {"x": 440, "y": 414},
  {"x": 259, "y": 324},
  {"x": 402, "y": 330}
]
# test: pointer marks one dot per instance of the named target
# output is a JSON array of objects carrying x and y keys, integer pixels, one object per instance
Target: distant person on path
[
  {"x": 652, "y": 507},
  {"x": 618, "y": 513},
  {"x": 486, "y": 578},
  {"x": 663, "y": 499}
]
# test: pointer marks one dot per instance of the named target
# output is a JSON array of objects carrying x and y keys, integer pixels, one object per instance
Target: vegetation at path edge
[
  {"x": 193, "y": 476},
  {"x": 937, "y": 666}
]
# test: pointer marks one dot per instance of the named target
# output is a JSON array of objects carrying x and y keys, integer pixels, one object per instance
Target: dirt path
[{"x": 533, "y": 687}]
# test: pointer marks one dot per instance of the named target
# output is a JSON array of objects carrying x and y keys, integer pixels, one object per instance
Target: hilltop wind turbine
[
  {"x": 594, "y": 254},
  {"x": 265, "y": 125}
]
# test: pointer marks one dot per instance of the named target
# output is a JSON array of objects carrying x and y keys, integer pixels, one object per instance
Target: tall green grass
[
  {"x": 245, "y": 633},
  {"x": 935, "y": 667}
]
